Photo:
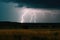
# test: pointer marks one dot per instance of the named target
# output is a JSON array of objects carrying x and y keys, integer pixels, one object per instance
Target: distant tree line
[{"x": 15, "y": 25}]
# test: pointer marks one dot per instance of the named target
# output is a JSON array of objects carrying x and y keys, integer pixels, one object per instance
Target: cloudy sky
[{"x": 30, "y": 11}]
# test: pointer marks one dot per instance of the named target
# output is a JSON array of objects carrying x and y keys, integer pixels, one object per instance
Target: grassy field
[{"x": 29, "y": 33}]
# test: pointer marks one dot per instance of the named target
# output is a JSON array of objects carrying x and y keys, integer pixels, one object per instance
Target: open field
[
  {"x": 29, "y": 31},
  {"x": 27, "y": 34}
]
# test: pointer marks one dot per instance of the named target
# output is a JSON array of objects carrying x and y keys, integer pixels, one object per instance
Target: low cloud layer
[{"x": 37, "y": 3}]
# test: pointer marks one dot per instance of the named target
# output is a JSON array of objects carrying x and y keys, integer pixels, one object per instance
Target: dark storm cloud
[{"x": 37, "y": 3}]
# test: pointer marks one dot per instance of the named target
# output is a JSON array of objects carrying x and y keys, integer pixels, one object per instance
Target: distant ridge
[{"x": 16, "y": 25}]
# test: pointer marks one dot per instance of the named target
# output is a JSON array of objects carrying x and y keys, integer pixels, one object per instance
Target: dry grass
[
  {"x": 50, "y": 33},
  {"x": 29, "y": 31}
]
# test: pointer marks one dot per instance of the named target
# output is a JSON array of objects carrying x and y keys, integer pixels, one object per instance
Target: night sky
[{"x": 10, "y": 10}]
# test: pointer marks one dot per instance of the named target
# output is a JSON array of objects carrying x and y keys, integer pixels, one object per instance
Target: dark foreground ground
[
  {"x": 29, "y": 34},
  {"x": 29, "y": 31}
]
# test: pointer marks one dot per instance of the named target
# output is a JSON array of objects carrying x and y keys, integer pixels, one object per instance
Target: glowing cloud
[{"x": 30, "y": 15}]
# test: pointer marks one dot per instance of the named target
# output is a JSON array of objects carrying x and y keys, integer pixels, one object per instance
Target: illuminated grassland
[{"x": 30, "y": 34}]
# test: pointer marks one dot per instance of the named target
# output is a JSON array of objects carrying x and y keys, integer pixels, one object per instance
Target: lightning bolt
[
  {"x": 28, "y": 12},
  {"x": 33, "y": 14},
  {"x": 22, "y": 18}
]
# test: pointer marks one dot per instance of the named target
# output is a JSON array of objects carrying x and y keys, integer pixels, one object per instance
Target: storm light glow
[{"x": 29, "y": 15}]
